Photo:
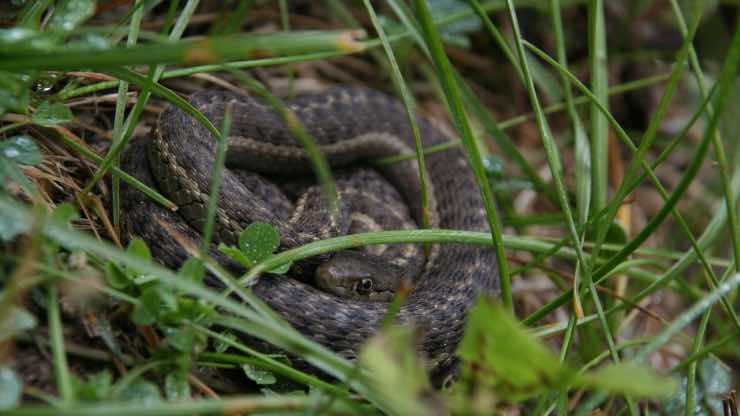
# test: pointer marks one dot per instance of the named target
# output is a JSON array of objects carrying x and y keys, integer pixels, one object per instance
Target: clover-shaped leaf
[{"x": 257, "y": 243}]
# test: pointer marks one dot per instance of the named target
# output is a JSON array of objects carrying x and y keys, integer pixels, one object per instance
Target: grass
[{"x": 637, "y": 297}]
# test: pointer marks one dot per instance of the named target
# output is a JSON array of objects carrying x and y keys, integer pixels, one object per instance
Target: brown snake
[{"x": 350, "y": 126}]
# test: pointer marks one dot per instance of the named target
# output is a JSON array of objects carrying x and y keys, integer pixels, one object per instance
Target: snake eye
[{"x": 365, "y": 286}]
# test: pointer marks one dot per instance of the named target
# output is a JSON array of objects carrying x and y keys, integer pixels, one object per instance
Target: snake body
[{"x": 350, "y": 126}]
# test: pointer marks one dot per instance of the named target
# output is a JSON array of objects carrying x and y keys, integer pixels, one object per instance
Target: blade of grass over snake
[
  {"x": 410, "y": 105},
  {"x": 216, "y": 175},
  {"x": 131, "y": 39},
  {"x": 724, "y": 169},
  {"x": 454, "y": 101},
  {"x": 189, "y": 52}
]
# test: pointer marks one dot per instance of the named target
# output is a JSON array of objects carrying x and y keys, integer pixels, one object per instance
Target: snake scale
[{"x": 351, "y": 126}]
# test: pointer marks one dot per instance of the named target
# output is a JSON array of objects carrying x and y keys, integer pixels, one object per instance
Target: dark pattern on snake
[{"x": 350, "y": 125}]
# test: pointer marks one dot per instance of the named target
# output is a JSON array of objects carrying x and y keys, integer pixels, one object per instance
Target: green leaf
[
  {"x": 140, "y": 391},
  {"x": 97, "y": 387},
  {"x": 235, "y": 254},
  {"x": 629, "y": 379},
  {"x": 138, "y": 248},
  {"x": 176, "y": 386},
  {"x": 71, "y": 13},
  {"x": 48, "y": 114},
  {"x": 258, "y": 241},
  {"x": 520, "y": 367},
  {"x": 21, "y": 150},
  {"x": 147, "y": 310},
  {"x": 11, "y": 387},
  {"x": 258, "y": 375}
]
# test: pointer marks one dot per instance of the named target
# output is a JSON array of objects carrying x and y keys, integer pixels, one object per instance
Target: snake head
[{"x": 353, "y": 275}]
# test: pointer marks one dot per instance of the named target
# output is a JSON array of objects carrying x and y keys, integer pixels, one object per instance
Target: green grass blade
[{"x": 454, "y": 100}]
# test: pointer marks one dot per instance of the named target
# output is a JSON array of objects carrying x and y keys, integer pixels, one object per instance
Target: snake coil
[{"x": 350, "y": 125}]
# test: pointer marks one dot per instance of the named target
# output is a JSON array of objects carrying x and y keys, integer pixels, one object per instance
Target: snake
[{"x": 352, "y": 127}]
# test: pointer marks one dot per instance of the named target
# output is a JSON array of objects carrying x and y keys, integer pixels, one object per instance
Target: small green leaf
[
  {"x": 258, "y": 241},
  {"x": 11, "y": 387},
  {"x": 138, "y": 248},
  {"x": 147, "y": 310},
  {"x": 176, "y": 386},
  {"x": 48, "y": 114},
  {"x": 236, "y": 255},
  {"x": 517, "y": 369},
  {"x": 71, "y": 13},
  {"x": 258, "y": 375},
  {"x": 140, "y": 391},
  {"x": 21, "y": 150}
]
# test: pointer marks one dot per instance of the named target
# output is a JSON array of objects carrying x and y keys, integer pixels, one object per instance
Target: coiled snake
[{"x": 350, "y": 126}]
